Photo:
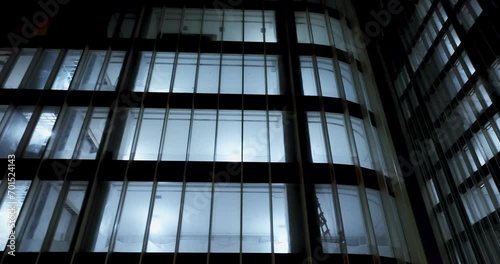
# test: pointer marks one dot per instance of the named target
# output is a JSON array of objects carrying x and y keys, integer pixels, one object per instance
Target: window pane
[
  {"x": 130, "y": 117},
  {"x": 316, "y": 138},
  {"x": 320, "y": 34},
  {"x": 141, "y": 76},
  {"x": 132, "y": 222},
  {"x": 192, "y": 21},
  {"x": 308, "y": 76},
  {"x": 229, "y": 136},
  {"x": 255, "y": 136},
  {"x": 148, "y": 141},
  {"x": 277, "y": 136},
  {"x": 185, "y": 73},
  {"x": 20, "y": 191},
  {"x": 280, "y": 218},
  {"x": 362, "y": 146},
  {"x": 19, "y": 69},
  {"x": 67, "y": 70},
  {"x": 226, "y": 218},
  {"x": 42, "y": 132},
  {"x": 38, "y": 221},
  {"x": 231, "y": 76},
  {"x": 104, "y": 220},
  {"x": 93, "y": 135},
  {"x": 151, "y": 24},
  {"x": 203, "y": 136},
  {"x": 270, "y": 23},
  {"x": 338, "y": 37},
  {"x": 4, "y": 57},
  {"x": 208, "y": 75},
  {"x": 14, "y": 129},
  {"x": 68, "y": 217},
  {"x": 327, "y": 77},
  {"x": 256, "y": 218},
  {"x": 329, "y": 230},
  {"x": 233, "y": 25},
  {"x": 255, "y": 79},
  {"x": 3, "y": 110},
  {"x": 339, "y": 142},
  {"x": 212, "y": 24},
  {"x": 110, "y": 78},
  {"x": 255, "y": 76},
  {"x": 69, "y": 131},
  {"x": 127, "y": 26},
  {"x": 302, "y": 25},
  {"x": 195, "y": 218},
  {"x": 253, "y": 26},
  {"x": 165, "y": 219},
  {"x": 355, "y": 233},
  {"x": 379, "y": 223},
  {"x": 91, "y": 70},
  {"x": 171, "y": 20},
  {"x": 348, "y": 81},
  {"x": 43, "y": 69},
  {"x": 162, "y": 72},
  {"x": 176, "y": 136}
]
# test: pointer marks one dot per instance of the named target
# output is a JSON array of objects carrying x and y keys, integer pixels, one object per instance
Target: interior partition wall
[{"x": 194, "y": 132}]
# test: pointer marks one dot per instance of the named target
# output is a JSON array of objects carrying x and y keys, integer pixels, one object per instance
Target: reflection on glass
[
  {"x": 7, "y": 210},
  {"x": 14, "y": 129},
  {"x": 42, "y": 132},
  {"x": 43, "y": 69},
  {"x": 68, "y": 217},
  {"x": 67, "y": 70},
  {"x": 19, "y": 69},
  {"x": 38, "y": 221}
]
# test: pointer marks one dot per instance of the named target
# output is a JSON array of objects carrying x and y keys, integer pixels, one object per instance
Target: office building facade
[
  {"x": 197, "y": 132},
  {"x": 442, "y": 68}
]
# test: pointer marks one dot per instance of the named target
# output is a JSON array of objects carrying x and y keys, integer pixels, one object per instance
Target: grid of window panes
[
  {"x": 186, "y": 216},
  {"x": 454, "y": 124}
]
